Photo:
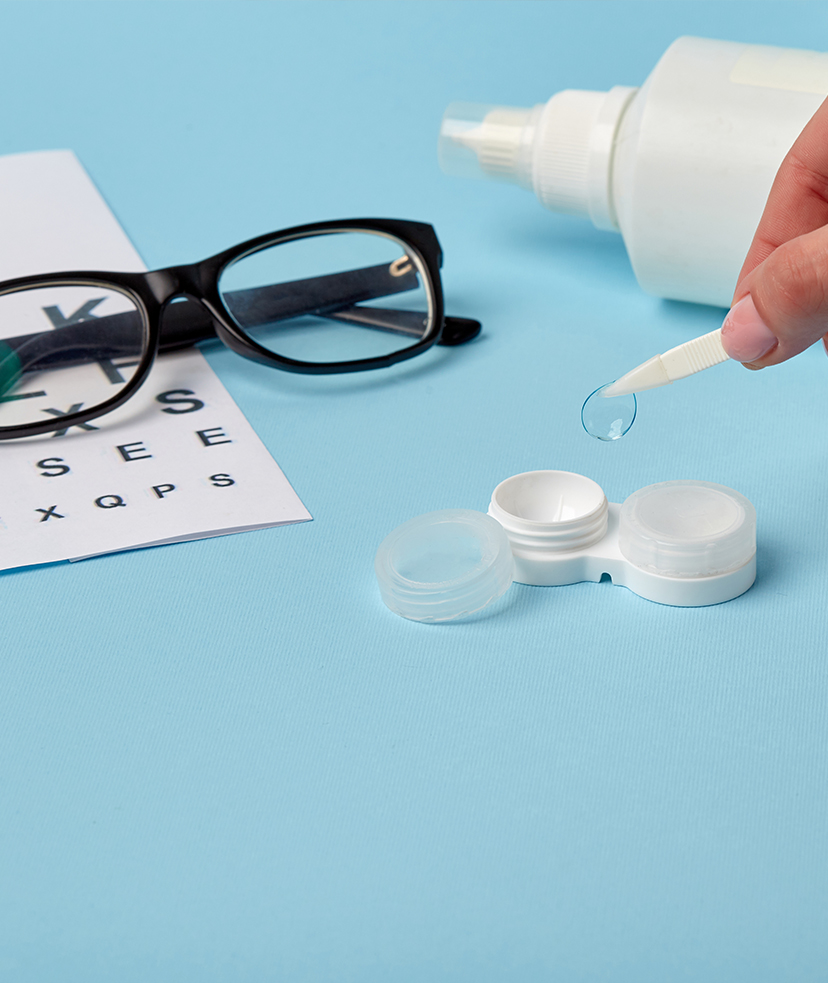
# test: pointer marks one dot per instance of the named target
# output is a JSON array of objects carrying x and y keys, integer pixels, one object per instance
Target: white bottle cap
[{"x": 561, "y": 150}]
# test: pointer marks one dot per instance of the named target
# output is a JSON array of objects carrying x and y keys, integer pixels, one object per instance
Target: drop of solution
[{"x": 608, "y": 417}]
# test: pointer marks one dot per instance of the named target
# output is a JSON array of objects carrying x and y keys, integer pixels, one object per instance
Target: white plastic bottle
[{"x": 681, "y": 167}]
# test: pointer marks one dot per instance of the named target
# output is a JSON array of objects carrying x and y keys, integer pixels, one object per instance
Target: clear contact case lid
[{"x": 444, "y": 565}]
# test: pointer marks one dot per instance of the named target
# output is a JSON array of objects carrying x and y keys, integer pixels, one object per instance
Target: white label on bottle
[{"x": 783, "y": 68}]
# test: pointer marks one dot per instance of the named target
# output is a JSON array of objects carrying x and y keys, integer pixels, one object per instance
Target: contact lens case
[{"x": 685, "y": 543}]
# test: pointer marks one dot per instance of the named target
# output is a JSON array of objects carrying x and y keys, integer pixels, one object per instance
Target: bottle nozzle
[{"x": 485, "y": 141}]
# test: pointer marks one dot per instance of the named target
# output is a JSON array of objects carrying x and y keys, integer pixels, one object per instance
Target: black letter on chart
[
  {"x": 221, "y": 480},
  {"x": 174, "y": 397},
  {"x": 210, "y": 437},
  {"x": 109, "y": 502},
  {"x": 72, "y": 409},
  {"x": 162, "y": 490},
  {"x": 112, "y": 371},
  {"x": 50, "y": 513},
  {"x": 53, "y": 467},
  {"x": 132, "y": 452},
  {"x": 83, "y": 313}
]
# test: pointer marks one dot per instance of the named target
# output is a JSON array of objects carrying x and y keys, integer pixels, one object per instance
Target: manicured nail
[{"x": 745, "y": 336}]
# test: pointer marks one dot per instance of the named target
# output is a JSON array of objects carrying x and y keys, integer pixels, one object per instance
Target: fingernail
[{"x": 745, "y": 336}]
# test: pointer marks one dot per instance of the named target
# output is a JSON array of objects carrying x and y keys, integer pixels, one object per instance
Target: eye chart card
[{"x": 176, "y": 462}]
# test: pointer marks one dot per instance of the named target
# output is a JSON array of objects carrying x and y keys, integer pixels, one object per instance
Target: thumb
[{"x": 781, "y": 307}]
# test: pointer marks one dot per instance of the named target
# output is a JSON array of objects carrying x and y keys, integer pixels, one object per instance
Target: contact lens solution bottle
[{"x": 681, "y": 166}]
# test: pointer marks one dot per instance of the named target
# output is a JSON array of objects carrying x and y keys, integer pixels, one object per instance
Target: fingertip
[{"x": 745, "y": 336}]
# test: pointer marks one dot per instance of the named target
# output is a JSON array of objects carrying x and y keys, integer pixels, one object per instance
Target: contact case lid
[
  {"x": 687, "y": 529},
  {"x": 444, "y": 565}
]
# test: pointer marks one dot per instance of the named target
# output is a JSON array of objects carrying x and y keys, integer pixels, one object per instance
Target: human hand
[{"x": 780, "y": 306}]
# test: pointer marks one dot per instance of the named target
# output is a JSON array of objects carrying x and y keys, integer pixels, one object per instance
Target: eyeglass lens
[
  {"x": 54, "y": 357},
  {"x": 332, "y": 297}
]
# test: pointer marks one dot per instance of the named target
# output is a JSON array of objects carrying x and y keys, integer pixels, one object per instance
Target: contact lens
[{"x": 608, "y": 417}]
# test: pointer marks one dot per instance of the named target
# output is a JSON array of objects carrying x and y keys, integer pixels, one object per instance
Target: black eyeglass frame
[{"x": 198, "y": 283}]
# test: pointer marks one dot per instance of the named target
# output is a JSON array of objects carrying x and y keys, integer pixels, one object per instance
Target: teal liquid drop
[{"x": 608, "y": 417}]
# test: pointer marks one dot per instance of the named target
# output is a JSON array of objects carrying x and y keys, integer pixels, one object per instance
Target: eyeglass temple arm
[
  {"x": 186, "y": 322},
  {"x": 70, "y": 345},
  {"x": 456, "y": 330},
  {"x": 335, "y": 295}
]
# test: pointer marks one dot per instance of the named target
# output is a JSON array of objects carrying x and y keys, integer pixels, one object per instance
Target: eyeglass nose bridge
[
  {"x": 175, "y": 281},
  {"x": 182, "y": 324},
  {"x": 164, "y": 284}
]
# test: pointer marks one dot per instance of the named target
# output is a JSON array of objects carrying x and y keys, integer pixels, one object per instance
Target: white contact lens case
[{"x": 685, "y": 543}]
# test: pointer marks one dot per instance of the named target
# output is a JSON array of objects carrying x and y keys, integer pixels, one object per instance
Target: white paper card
[{"x": 177, "y": 462}]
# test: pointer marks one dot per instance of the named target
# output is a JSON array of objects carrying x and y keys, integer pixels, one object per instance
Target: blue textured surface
[{"x": 226, "y": 760}]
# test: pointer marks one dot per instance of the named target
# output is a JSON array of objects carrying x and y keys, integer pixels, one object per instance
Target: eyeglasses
[{"x": 303, "y": 300}]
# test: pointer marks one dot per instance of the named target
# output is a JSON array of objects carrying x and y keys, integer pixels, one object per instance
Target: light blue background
[{"x": 226, "y": 760}]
